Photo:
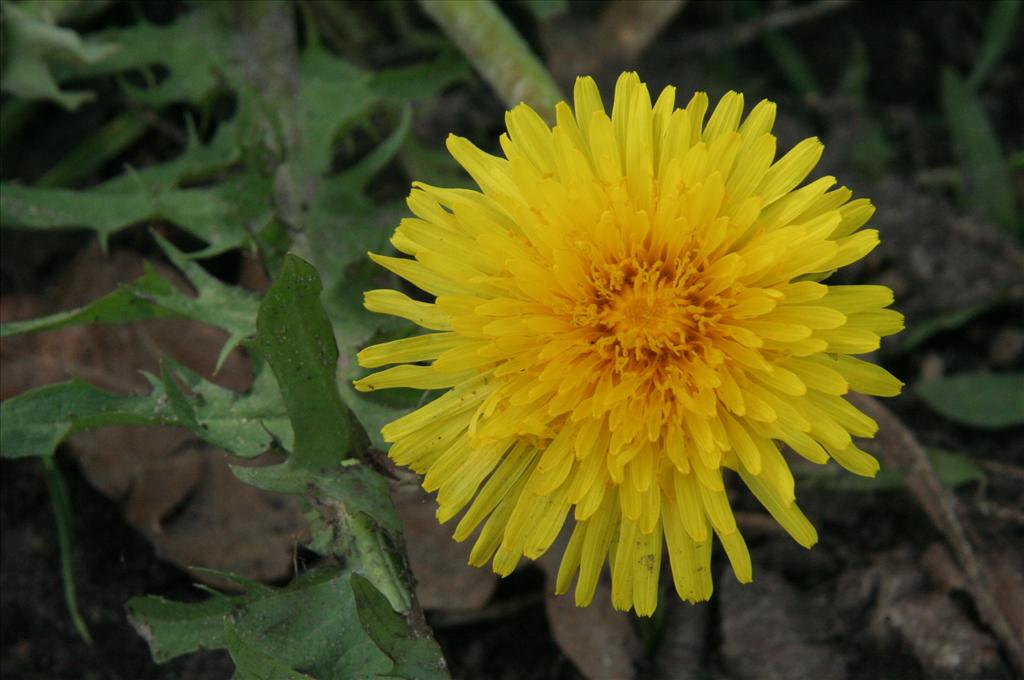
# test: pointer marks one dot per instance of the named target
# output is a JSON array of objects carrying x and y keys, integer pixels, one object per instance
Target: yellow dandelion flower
[{"x": 630, "y": 305}]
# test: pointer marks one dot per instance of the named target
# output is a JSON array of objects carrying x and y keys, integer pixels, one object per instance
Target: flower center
[{"x": 644, "y": 319}]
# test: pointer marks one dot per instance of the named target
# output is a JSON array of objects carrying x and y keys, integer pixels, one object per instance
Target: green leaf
[
  {"x": 983, "y": 400},
  {"x": 953, "y": 469},
  {"x": 987, "y": 187},
  {"x": 333, "y": 94},
  {"x": 67, "y": 11},
  {"x": 245, "y": 424},
  {"x": 253, "y": 664},
  {"x": 421, "y": 80},
  {"x": 230, "y": 308},
  {"x": 32, "y": 45},
  {"x": 1000, "y": 29},
  {"x": 414, "y": 657},
  {"x": 124, "y": 305},
  {"x": 14, "y": 114},
  {"x": 310, "y": 626},
  {"x": 198, "y": 162},
  {"x": 361, "y": 489},
  {"x": 32, "y": 208},
  {"x": 223, "y": 216},
  {"x": 175, "y": 628},
  {"x": 354, "y": 328},
  {"x": 348, "y": 187},
  {"x": 374, "y": 410},
  {"x": 195, "y": 50},
  {"x": 34, "y": 423},
  {"x": 295, "y": 336},
  {"x": 342, "y": 226},
  {"x": 353, "y": 519}
]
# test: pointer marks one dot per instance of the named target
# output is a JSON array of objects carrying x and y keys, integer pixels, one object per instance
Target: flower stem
[{"x": 497, "y": 51}]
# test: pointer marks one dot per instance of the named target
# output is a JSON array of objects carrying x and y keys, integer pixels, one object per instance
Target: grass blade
[{"x": 65, "y": 537}]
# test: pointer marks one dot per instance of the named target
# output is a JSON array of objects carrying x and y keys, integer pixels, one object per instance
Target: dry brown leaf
[
  {"x": 176, "y": 490},
  {"x": 624, "y": 31},
  {"x": 681, "y": 652},
  {"x": 110, "y": 356},
  {"x": 444, "y": 579},
  {"x": 599, "y": 640},
  {"x": 898, "y": 448},
  {"x": 771, "y": 631},
  {"x": 929, "y": 623},
  {"x": 954, "y": 263},
  {"x": 1006, "y": 578}
]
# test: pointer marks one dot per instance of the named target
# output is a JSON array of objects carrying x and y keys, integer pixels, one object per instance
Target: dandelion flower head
[{"x": 629, "y": 311}]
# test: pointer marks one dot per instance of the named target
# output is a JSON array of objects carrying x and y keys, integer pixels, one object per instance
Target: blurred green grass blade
[
  {"x": 294, "y": 334},
  {"x": 982, "y": 400},
  {"x": 497, "y": 51},
  {"x": 920, "y": 332},
  {"x": 355, "y": 179},
  {"x": 92, "y": 154},
  {"x": 871, "y": 152},
  {"x": 542, "y": 10},
  {"x": 61, "y": 500},
  {"x": 987, "y": 187},
  {"x": 1000, "y": 29},
  {"x": 13, "y": 116},
  {"x": 792, "y": 63}
]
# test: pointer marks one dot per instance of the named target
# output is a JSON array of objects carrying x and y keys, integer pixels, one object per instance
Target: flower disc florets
[{"x": 630, "y": 305}]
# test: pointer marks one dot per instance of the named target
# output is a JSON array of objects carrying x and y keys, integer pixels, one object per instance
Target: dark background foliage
[{"x": 919, "y": 106}]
